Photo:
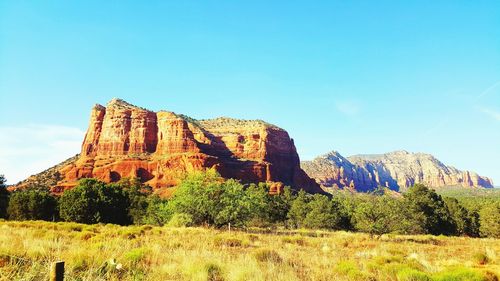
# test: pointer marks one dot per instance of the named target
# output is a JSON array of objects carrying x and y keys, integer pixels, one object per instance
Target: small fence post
[{"x": 57, "y": 271}]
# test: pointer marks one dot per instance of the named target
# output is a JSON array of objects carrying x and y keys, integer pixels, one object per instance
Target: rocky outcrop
[
  {"x": 159, "y": 148},
  {"x": 396, "y": 170}
]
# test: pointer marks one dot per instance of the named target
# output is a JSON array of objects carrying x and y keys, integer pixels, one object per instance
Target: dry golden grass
[{"x": 109, "y": 252}]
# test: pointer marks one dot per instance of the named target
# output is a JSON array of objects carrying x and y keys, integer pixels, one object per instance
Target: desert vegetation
[
  {"x": 218, "y": 229},
  {"x": 207, "y": 199},
  {"x": 112, "y": 252}
]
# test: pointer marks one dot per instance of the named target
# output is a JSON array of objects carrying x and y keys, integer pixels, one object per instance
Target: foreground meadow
[{"x": 110, "y": 252}]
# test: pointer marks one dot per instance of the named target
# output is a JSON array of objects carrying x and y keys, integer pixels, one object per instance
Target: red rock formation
[{"x": 160, "y": 148}]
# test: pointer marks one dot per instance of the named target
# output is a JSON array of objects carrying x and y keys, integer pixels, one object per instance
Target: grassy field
[{"x": 109, "y": 252}]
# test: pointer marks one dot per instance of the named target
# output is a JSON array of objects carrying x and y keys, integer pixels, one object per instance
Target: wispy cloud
[
  {"x": 474, "y": 102},
  {"x": 350, "y": 108},
  {"x": 490, "y": 112},
  {"x": 31, "y": 149},
  {"x": 488, "y": 90}
]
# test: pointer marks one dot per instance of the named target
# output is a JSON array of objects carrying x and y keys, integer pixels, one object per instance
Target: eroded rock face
[
  {"x": 397, "y": 170},
  {"x": 161, "y": 147}
]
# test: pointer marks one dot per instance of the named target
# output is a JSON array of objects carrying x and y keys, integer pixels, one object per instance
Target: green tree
[
  {"x": 210, "y": 200},
  {"x": 323, "y": 213},
  {"x": 92, "y": 201},
  {"x": 195, "y": 196},
  {"x": 429, "y": 211},
  {"x": 32, "y": 205},
  {"x": 346, "y": 205},
  {"x": 138, "y": 195},
  {"x": 490, "y": 220},
  {"x": 232, "y": 205},
  {"x": 298, "y": 210},
  {"x": 4, "y": 197},
  {"x": 378, "y": 215},
  {"x": 463, "y": 220},
  {"x": 157, "y": 211},
  {"x": 260, "y": 205},
  {"x": 279, "y": 206}
]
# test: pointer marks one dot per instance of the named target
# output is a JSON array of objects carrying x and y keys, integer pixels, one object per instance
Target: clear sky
[{"x": 352, "y": 76}]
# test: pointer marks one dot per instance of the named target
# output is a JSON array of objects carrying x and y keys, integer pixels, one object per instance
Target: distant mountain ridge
[{"x": 396, "y": 170}]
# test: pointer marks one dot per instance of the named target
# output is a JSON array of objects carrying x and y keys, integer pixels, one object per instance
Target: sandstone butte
[{"x": 159, "y": 148}]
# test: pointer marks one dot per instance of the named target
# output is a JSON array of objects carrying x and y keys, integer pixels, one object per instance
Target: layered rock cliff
[
  {"x": 396, "y": 170},
  {"x": 159, "y": 148}
]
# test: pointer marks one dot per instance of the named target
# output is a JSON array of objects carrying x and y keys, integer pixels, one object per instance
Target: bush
[
  {"x": 429, "y": 211},
  {"x": 157, "y": 211},
  {"x": 462, "y": 218},
  {"x": 138, "y": 195},
  {"x": 214, "y": 272},
  {"x": 322, "y": 213},
  {"x": 180, "y": 220},
  {"x": 211, "y": 200},
  {"x": 412, "y": 275},
  {"x": 481, "y": 258},
  {"x": 227, "y": 242},
  {"x": 460, "y": 274},
  {"x": 32, "y": 205},
  {"x": 378, "y": 215},
  {"x": 297, "y": 240},
  {"x": 4, "y": 198},
  {"x": 268, "y": 255},
  {"x": 134, "y": 256},
  {"x": 349, "y": 269},
  {"x": 490, "y": 220},
  {"x": 298, "y": 210},
  {"x": 92, "y": 201},
  {"x": 193, "y": 196}
]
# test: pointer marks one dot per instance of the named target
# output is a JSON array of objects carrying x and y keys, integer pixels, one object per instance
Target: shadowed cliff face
[
  {"x": 161, "y": 147},
  {"x": 396, "y": 170}
]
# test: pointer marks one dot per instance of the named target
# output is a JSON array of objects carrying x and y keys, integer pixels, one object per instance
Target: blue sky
[{"x": 352, "y": 76}]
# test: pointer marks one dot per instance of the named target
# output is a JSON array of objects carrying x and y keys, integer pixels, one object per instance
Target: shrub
[
  {"x": 32, "y": 205},
  {"x": 349, "y": 269},
  {"x": 227, "y": 242},
  {"x": 344, "y": 267},
  {"x": 412, "y": 275},
  {"x": 462, "y": 218},
  {"x": 378, "y": 215},
  {"x": 429, "y": 211},
  {"x": 92, "y": 201},
  {"x": 135, "y": 256},
  {"x": 322, "y": 214},
  {"x": 209, "y": 199},
  {"x": 214, "y": 272},
  {"x": 86, "y": 235},
  {"x": 137, "y": 194},
  {"x": 267, "y": 255},
  {"x": 481, "y": 258},
  {"x": 490, "y": 220},
  {"x": 157, "y": 211},
  {"x": 298, "y": 210},
  {"x": 387, "y": 259},
  {"x": 4, "y": 198},
  {"x": 193, "y": 196},
  {"x": 180, "y": 220},
  {"x": 298, "y": 240},
  {"x": 460, "y": 274},
  {"x": 80, "y": 264}
]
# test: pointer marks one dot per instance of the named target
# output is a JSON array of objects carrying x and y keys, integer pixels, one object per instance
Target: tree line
[{"x": 207, "y": 199}]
